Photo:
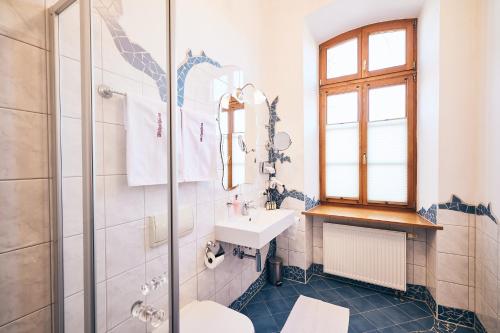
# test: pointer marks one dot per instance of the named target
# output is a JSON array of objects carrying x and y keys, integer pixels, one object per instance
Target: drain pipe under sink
[{"x": 241, "y": 254}]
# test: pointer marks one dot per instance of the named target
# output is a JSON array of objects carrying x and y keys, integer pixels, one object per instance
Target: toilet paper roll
[{"x": 211, "y": 261}]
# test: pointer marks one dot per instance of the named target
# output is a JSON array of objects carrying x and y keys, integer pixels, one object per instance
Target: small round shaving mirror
[{"x": 281, "y": 141}]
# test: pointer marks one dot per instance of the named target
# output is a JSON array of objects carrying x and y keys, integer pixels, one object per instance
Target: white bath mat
[{"x": 310, "y": 315}]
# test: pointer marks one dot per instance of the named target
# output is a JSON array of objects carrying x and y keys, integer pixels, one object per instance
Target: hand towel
[
  {"x": 199, "y": 145},
  {"x": 147, "y": 141}
]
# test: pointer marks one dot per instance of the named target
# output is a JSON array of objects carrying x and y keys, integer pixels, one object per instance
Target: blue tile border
[
  {"x": 460, "y": 317},
  {"x": 478, "y": 326},
  {"x": 456, "y": 316},
  {"x": 294, "y": 273},
  {"x": 458, "y": 205},
  {"x": 429, "y": 214},
  {"x": 255, "y": 287}
]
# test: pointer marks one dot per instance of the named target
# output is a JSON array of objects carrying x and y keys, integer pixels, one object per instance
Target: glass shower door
[{"x": 113, "y": 182}]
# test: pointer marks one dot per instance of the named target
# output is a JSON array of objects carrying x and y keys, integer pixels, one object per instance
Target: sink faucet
[{"x": 245, "y": 207}]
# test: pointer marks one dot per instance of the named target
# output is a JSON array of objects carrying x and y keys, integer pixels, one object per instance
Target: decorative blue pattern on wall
[
  {"x": 184, "y": 69},
  {"x": 135, "y": 55},
  {"x": 429, "y": 214},
  {"x": 456, "y": 204},
  {"x": 254, "y": 288},
  {"x": 271, "y": 130}
]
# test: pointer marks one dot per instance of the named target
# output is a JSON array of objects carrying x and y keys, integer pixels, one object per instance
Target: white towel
[
  {"x": 199, "y": 146},
  {"x": 147, "y": 141}
]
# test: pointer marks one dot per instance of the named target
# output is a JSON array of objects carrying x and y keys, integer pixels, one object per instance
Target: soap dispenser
[{"x": 236, "y": 205}]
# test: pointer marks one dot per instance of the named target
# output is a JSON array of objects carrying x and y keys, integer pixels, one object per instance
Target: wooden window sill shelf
[{"x": 370, "y": 215}]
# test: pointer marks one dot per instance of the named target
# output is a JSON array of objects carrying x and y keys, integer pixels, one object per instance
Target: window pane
[
  {"x": 387, "y": 161},
  {"x": 342, "y": 160},
  {"x": 342, "y": 59},
  {"x": 387, "y": 102},
  {"x": 387, "y": 49},
  {"x": 342, "y": 108}
]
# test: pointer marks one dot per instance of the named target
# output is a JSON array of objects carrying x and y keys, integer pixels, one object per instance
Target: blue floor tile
[
  {"x": 370, "y": 311},
  {"x": 359, "y": 324},
  {"x": 306, "y": 290},
  {"x": 362, "y": 304},
  {"x": 413, "y": 310},
  {"x": 287, "y": 291},
  {"x": 256, "y": 310},
  {"x": 265, "y": 325},
  {"x": 347, "y": 292},
  {"x": 378, "y": 319},
  {"x": 280, "y": 319},
  {"x": 279, "y": 306},
  {"x": 397, "y": 315}
]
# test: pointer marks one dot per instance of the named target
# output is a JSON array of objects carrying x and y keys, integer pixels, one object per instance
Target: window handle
[
  {"x": 364, "y": 65},
  {"x": 364, "y": 158}
]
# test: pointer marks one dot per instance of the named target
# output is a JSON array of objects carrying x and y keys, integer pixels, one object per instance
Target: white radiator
[{"x": 369, "y": 255}]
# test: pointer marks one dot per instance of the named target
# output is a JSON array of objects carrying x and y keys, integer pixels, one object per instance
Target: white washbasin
[{"x": 256, "y": 229}]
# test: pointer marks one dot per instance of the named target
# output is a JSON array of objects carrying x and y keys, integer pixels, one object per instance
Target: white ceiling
[{"x": 343, "y": 15}]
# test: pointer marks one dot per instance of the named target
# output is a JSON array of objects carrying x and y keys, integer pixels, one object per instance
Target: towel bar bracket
[{"x": 106, "y": 92}]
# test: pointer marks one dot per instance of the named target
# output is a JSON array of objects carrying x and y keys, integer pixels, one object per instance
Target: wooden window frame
[
  {"x": 363, "y": 81},
  {"x": 233, "y": 106}
]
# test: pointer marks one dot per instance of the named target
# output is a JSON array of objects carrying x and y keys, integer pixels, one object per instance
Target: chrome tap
[{"x": 245, "y": 207}]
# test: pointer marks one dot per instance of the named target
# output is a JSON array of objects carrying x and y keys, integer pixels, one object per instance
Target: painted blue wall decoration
[{"x": 458, "y": 205}]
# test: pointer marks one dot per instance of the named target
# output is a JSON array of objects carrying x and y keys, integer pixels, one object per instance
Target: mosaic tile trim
[
  {"x": 280, "y": 197},
  {"x": 457, "y": 204},
  {"x": 255, "y": 287},
  {"x": 184, "y": 69},
  {"x": 478, "y": 325},
  {"x": 429, "y": 214},
  {"x": 294, "y": 273},
  {"x": 456, "y": 316},
  {"x": 135, "y": 54},
  {"x": 271, "y": 131}
]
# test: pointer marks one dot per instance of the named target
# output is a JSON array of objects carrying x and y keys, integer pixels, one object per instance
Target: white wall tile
[
  {"x": 297, "y": 259},
  {"x": 206, "y": 284},
  {"x": 72, "y": 206},
  {"x": 205, "y": 216},
  {"x": 318, "y": 236},
  {"x": 317, "y": 255},
  {"x": 187, "y": 262},
  {"x": 70, "y": 87},
  {"x": 24, "y": 213},
  {"x": 453, "y": 239},
  {"x": 73, "y": 264},
  {"x": 453, "y": 268},
  {"x": 188, "y": 292},
  {"x": 73, "y": 314},
  {"x": 452, "y": 295},
  {"x": 419, "y": 253},
  {"x": 123, "y": 203},
  {"x": 113, "y": 109},
  {"x": 23, "y": 143},
  {"x": 419, "y": 275},
  {"x": 122, "y": 291},
  {"x": 124, "y": 247},
  {"x": 114, "y": 150},
  {"x": 283, "y": 254},
  {"x": 71, "y": 146}
]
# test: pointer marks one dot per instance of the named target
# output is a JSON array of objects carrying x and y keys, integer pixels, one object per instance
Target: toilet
[{"x": 208, "y": 316}]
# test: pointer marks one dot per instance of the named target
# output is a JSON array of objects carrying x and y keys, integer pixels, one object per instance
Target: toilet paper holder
[{"x": 215, "y": 248}]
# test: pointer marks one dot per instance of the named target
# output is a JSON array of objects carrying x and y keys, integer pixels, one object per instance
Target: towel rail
[{"x": 106, "y": 92}]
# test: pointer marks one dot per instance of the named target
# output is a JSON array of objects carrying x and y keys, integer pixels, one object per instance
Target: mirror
[
  {"x": 281, "y": 141},
  {"x": 237, "y": 125}
]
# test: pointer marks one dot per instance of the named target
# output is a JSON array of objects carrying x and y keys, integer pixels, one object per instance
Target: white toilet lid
[{"x": 208, "y": 316}]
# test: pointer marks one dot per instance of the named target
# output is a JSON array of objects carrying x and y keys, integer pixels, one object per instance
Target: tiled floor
[{"x": 370, "y": 311}]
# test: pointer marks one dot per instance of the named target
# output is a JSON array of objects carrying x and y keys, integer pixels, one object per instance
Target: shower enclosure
[{"x": 105, "y": 260}]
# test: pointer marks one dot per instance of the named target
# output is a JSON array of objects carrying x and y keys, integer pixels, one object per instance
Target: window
[
  {"x": 233, "y": 130},
  {"x": 367, "y": 116}
]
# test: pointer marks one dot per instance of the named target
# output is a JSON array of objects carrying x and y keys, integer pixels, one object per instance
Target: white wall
[{"x": 487, "y": 232}]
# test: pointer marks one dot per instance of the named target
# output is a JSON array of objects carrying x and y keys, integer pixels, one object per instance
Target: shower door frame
[{"x": 87, "y": 119}]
